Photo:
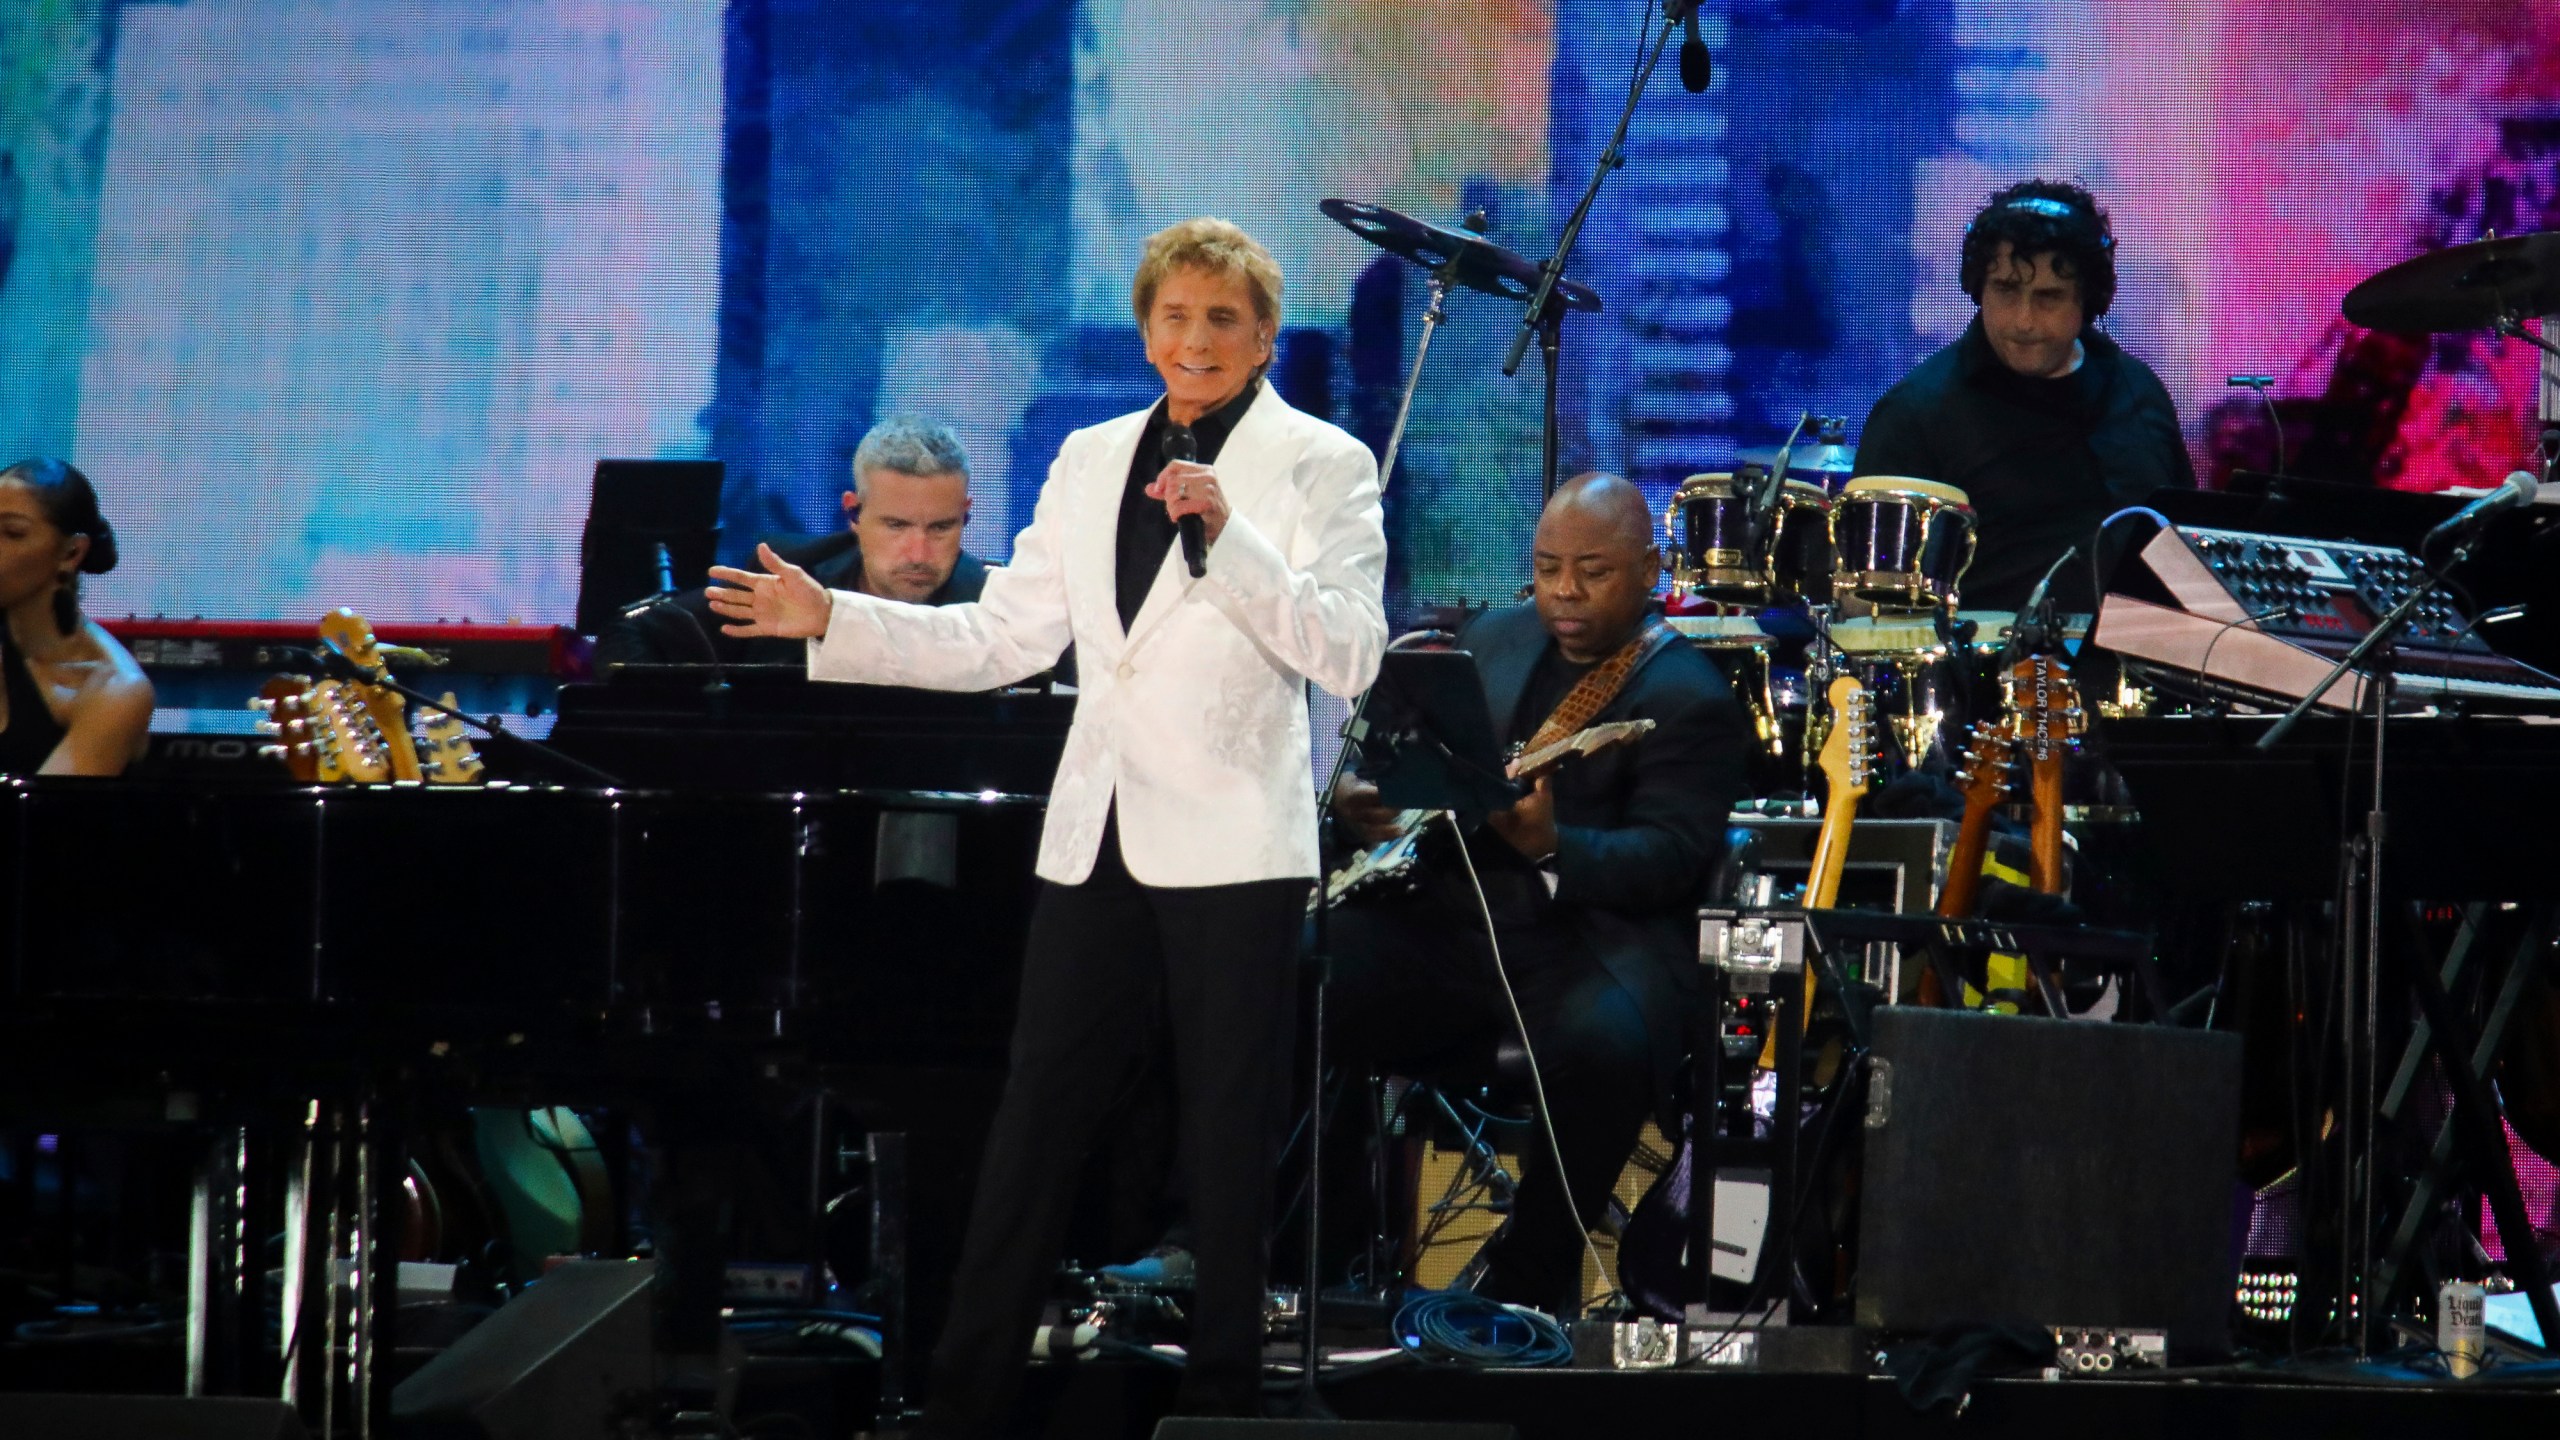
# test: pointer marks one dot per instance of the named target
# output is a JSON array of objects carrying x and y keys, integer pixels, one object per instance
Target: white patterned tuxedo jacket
[{"x": 1195, "y": 716}]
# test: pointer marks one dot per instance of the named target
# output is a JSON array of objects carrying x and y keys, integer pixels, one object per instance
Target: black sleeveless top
[{"x": 32, "y": 731}]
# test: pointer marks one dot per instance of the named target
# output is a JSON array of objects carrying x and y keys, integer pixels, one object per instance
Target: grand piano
[{"x": 793, "y": 891}]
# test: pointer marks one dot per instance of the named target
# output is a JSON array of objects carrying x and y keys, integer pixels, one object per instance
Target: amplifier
[{"x": 2070, "y": 1172}]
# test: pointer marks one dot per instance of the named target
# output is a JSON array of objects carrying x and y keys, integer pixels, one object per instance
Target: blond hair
[{"x": 1208, "y": 243}]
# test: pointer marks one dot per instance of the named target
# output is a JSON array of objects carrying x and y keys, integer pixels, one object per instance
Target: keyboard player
[
  {"x": 75, "y": 702},
  {"x": 903, "y": 518},
  {"x": 1181, "y": 833}
]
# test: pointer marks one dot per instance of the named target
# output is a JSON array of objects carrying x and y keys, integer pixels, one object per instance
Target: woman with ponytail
[{"x": 72, "y": 700}]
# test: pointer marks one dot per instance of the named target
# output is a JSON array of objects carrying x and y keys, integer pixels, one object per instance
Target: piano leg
[
  {"x": 339, "y": 1254},
  {"x": 888, "y": 1156},
  {"x": 221, "y": 1283}
]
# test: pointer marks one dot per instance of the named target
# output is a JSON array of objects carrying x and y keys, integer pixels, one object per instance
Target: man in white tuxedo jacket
[{"x": 1181, "y": 834}]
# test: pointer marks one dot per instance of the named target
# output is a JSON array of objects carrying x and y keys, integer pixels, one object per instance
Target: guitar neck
[
  {"x": 1831, "y": 854},
  {"x": 2045, "y": 836},
  {"x": 1964, "y": 863}
]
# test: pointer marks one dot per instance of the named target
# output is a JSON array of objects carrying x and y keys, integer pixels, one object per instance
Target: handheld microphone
[
  {"x": 2516, "y": 493},
  {"x": 1697, "y": 67},
  {"x": 1181, "y": 444}
]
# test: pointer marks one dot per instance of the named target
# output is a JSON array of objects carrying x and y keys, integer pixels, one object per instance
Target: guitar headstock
[
  {"x": 445, "y": 756},
  {"x": 1849, "y": 757},
  {"x": 1987, "y": 761},
  {"x": 350, "y": 632},
  {"x": 2047, "y": 706},
  {"x": 348, "y": 748},
  {"x": 284, "y": 709}
]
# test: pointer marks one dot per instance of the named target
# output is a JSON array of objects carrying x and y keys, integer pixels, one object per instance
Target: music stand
[
  {"x": 651, "y": 528},
  {"x": 1428, "y": 739}
]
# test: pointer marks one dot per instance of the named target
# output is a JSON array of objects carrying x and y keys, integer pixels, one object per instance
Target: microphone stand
[
  {"x": 1544, "y": 317},
  {"x": 2360, "y": 903},
  {"x": 1355, "y": 731},
  {"x": 339, "y": 665}
]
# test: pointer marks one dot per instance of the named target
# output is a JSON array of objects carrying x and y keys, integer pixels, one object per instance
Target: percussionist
[{"x": 2044, "y": 422}]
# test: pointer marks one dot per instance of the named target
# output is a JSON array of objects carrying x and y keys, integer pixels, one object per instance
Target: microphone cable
[{"x": 1537, "y": 1078}]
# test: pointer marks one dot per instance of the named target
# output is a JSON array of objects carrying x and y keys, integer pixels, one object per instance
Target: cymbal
[
  {"x": 2462, "y": 287},
  {"x": 1808, "y": 459},
  {"x": 1482, "y": 265}
]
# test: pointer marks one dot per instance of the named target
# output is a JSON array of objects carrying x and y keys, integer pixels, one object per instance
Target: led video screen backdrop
[{"x": 340, "y": 300}]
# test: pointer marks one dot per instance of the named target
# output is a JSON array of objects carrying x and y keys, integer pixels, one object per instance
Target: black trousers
[
  {"x": 1111, "y": 966},
  {"x": 1415, "y": 991}
]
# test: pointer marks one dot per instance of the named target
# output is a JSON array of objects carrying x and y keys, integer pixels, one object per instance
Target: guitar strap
[{"x": 1601, "y": 684}]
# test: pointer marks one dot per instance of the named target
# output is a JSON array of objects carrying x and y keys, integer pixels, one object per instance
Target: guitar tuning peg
[{"x": 262, "y": 704}]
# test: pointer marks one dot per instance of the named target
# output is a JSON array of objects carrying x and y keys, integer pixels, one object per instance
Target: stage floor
[{"x": 1105, "y": 1399}]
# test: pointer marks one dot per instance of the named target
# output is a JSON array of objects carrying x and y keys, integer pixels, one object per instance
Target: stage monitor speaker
[
  {"x": 569, "y": 1359},
  {"x": 147, "y": 1417},
  {"x": 1185, "y": 1428},
  {"x": 2062, "y": 1172}
]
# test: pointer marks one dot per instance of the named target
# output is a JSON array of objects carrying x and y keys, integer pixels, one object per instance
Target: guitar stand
[{"x": 1955, "y": 946}]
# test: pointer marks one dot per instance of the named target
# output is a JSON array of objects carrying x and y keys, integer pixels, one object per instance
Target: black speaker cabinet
[
  {"x": 146, "y": 1417},
  {"x": 569, "y": 1359},
  {"x": 1181, "y": 1428},
  {"x": 2061, "y": 1172}
]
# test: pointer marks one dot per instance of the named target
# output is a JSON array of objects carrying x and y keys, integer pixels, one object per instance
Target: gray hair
[{"x": 909, "y": 445}]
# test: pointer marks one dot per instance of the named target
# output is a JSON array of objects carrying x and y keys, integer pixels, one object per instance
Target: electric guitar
[
  {"x": 2049, "y": 719},
  {"x": 1391, "y": 861},
  {"x": 445, "y": 756},
  {"x": 1848, "y": 762}
]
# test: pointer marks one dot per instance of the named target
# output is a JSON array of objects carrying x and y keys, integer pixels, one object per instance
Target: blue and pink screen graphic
[{"x": 340, "y": 300}]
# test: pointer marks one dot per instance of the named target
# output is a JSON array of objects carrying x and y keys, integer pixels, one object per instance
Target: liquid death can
[{"x": 2461, "y": 1326}]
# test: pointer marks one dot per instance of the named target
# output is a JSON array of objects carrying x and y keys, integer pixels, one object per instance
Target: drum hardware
[
  {"x": 1830, "y": 461},
  {"x": 1461, "y": 258}
]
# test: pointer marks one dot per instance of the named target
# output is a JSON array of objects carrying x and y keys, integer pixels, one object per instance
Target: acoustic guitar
[
  {"x": 1390, "y": 864},
  {"x": 2048, "y": 719}
]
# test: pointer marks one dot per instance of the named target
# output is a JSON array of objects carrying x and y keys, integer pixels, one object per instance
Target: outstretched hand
[{"x": 783, "y": 603}]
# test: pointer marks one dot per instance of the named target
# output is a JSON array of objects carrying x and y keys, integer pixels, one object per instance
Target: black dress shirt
[
  {"x": 1145, "y": 530},
  {"x": 1550, "y": 680},
  {"x": 661, "y": 635},
  {"x": 2043, "y": 461}
]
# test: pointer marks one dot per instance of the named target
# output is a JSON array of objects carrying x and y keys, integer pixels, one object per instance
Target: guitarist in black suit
[{"x": 1593, "y": 880}]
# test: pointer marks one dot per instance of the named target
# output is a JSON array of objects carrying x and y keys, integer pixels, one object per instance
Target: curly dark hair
[{"x": 2045, "y": 217}]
